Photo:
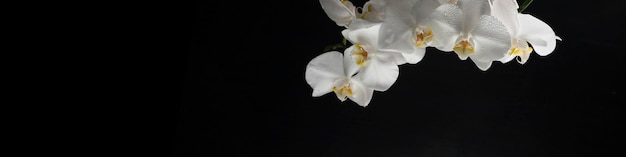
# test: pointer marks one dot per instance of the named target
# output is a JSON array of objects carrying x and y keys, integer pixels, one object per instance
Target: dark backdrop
[{"x": 232, "y": 84}]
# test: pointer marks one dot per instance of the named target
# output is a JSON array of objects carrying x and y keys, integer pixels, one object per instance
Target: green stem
[
  {"x": 336, "y": 46},
  {"x": 524, "y": 5}
]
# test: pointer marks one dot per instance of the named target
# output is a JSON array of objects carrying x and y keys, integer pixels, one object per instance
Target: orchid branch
[{"x": 524, "y": 5}]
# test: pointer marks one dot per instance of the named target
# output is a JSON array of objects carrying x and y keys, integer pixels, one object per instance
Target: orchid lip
[
  {"x": 360, "y": 55},
  {"x": 464, "y": 48},
  {"x": 423, "y": 36}
]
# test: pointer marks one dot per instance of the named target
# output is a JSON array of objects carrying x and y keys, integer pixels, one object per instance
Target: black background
[{"x": 227, "y": 79}]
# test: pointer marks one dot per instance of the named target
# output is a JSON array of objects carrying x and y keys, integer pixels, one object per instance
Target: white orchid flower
[
  {"x": 372, "y": 11},
  {"x": 470, "y": 31},
  {"x": 327, "y": 72},
  {"x": 344, "y": 13},
  {"x": 524, "y": 29},
  {"x": 379, "y": 69},
  {"x": 341, "y": 12},
  {"x": 406, "y": 28}
]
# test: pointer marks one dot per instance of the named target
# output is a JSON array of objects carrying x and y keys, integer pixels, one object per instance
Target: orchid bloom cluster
[{"x": 385, "y": 34}]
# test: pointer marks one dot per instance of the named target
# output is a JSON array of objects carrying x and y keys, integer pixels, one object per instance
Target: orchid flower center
[
  {"x": 464, "y": 48},
  {"x": 370, "y": 13},
  {"x": 366, "y": 11},
  {"x": 423, "y": 36},
  {"x": 342, "y": 89},
  {"x": 519, "y": 47},
  {"x": 360, "y": 55}
]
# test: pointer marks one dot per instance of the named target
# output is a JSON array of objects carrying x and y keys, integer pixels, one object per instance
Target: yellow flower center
[
  {"x": 519, "y": 51},
  {"x": 360, "y": 55},
  {"x": 423, "y": 37},
  {"x": 343, "y": 91},
  {"x": 520, "y": 47},
  {"x": 464, "y": 48}
]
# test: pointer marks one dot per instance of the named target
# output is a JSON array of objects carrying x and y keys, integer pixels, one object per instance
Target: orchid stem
[
  {"x": 524, "y": 5},
  {"x": 336, "y": 46}
]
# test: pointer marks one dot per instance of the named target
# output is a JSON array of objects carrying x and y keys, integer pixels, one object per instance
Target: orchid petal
[
  {"x": 472, "y": 11},
  {"x": 446, "y": 25},
  {"x": 349, "y": 64},
  {"x": 374, "y": 11},
  {"x": 415, "y": 56},
  {"x": 377, "y": 3},
  {"x": 340, "y": 13},
  {"x": 361, "y": 23},
  {"x": 396, "y": 35},
  {"x": 507, "y": 58},
  {"x": 447, "y": 1},
  {"x": 395, "y": 56},
  {"x": 539, "y": 34},
  {"x": 391, "y": 56},
  {"x": 322, "y": 71},
  {"x": 360, "y": 93},
  {"x": 398, "y": 11},
  {"x": 491, "y": 38},
  {"x": 482, "y": 65},
  {"x": 365, "y": 36},
  {"x": 379, "y": 74},
  {"x": 423, "y": 8},
  {"x": 506, "y": 12}
]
